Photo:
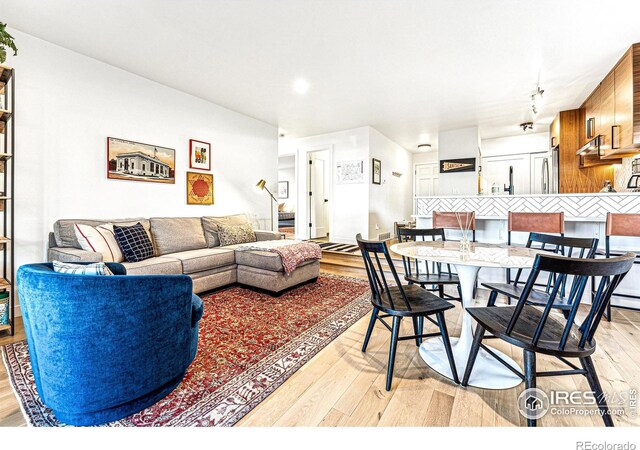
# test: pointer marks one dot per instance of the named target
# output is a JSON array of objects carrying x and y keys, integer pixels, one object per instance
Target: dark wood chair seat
[
  {"x": 420, "y": 302},
  {"x": 496, "y": 321},
  {"x": 432, "y": 278},
  {"x": 536, "y": 297}
]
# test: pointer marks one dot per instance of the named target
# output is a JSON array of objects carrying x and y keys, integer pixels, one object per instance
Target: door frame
[{"x": 306, "y": 152}]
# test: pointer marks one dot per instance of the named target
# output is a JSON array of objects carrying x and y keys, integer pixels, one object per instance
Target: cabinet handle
[
  {"x": 553, "y": 141},
  {"x": 591, "y": 125},
  {"x": 615, "y": 137}
]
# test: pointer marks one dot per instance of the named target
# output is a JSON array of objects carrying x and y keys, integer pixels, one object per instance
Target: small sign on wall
[{"x": 457, "y": 165}]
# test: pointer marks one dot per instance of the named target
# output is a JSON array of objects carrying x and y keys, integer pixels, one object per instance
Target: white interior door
[
  {"x": 425, "y": 182},
  {"x": 317, "y": 207},
  {"x": 495, "y": 169}
]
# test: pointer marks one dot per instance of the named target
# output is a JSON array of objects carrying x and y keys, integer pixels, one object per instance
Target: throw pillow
[
  {"x": 211, "y": 226},
  {"x": 81, "y": 269},
  {"x": 238, "y": 234},
  {"x": 100, "y": 239},
  {"x": 134, "y": 242}
]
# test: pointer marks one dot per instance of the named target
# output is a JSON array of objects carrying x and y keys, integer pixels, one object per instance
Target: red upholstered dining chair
[
  {"x": 533, "y": 222},
  {"x": 622, "y": 225},
  {"x": 449, "y": 220}
]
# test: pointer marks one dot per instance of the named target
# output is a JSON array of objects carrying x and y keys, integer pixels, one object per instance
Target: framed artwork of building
[
  {"x": 199, "y": 155},
  {"x": 199, "y": 188},
  {"x": 135, "y": 161}
]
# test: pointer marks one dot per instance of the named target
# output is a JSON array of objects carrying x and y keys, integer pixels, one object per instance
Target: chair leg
[
  {"x": 441, "y": 290},
  {"x": 492, "y": 298},
  {"x": 530, "y": 377},
  {"x": 475, "y": 348},
  {"x": 372, "y": 322},
  {"x": 447, "y": 346},
  {"x": 594, "y": 383},
  {"x": 417, "y": 329},
  {"x": 395, "y": 331},
  {"x": 459, "y": 292}
]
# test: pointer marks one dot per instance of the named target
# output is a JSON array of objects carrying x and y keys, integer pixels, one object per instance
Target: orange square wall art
[{"x": 199, "y": 188}]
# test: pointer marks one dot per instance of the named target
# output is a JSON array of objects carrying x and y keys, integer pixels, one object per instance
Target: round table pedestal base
[{"x": 488, "y": 372}]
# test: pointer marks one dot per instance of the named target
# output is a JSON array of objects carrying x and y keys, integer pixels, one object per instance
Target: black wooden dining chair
[
  {"x": 562, "y": 245},
  {"x": 391, "y": 299},
  {"x": 437, "y": 277},
  {"x": 535, "y": 331}
]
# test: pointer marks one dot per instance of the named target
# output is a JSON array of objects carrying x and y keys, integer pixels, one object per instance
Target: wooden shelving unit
[{"x": 7, "y": 151}]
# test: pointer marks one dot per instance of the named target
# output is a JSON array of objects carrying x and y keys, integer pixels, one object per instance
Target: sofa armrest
[
  {"x": 262, "y": 235},
  {"x": 197, "y": 309},
  {"x": 73, "y": 255}
]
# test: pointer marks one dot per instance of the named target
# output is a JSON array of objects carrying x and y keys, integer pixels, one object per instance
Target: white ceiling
[{"x": 409, "y": 68}]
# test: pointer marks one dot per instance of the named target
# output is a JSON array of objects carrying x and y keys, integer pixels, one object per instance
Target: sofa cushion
[
  {"x": 65, "y": 234},
  {"x": 177, "y": 234},
  {"x": 204, "y": 259},
  {"x": 262, "y": 260},
  {"x": 81, "y": 269},
  {"x": 161, "y": 265},
  {"x": 134, "y": 242},
  {"x": 237, "y": 234},
  {"x": 211, "y": 226}
]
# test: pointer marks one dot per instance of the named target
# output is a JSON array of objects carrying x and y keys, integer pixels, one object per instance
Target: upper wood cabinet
[{"x": 612, "y": 111}]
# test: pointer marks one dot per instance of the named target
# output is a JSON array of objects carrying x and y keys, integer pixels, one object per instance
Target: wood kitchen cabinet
[
  {"x": 592, "y": 114},
  {"x": 606, "y": 113},
  {"x": 624, "y": 93}
]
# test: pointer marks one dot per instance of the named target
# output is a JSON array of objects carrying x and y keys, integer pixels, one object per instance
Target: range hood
[{"x": 590, "y": 148}]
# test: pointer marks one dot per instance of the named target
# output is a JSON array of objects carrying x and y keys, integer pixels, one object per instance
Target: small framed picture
[
  {"x": 283, "y": 189},
  {"x": 376, "y": 171},
  {"x": 199, "y": 188},
  {"x": 199, "y": 155}
]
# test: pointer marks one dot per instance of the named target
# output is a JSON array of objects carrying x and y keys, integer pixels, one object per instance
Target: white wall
[
  {"x": 425, "y": 157},
  {"x": 455, "y": 144},
  {"x": 512, "y": 145},
  {"x": 349, "y": 202},
  {"x": 392, "y": 200},
  {"x": 67, "y": 105}
]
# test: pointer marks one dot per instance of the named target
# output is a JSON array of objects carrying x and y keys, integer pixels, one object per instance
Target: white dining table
[{"x": 487, "y": 372}]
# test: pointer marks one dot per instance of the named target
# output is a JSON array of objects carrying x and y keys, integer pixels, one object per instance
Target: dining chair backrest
[
  {"x": 373, "y": 254},
  {"x": 612, "y": 271},
  {"x": 454, "y": 220},
  {"x": 535, "y": 222},
  {"x": 561, "y": 245},
  {"x": 412, "y": 265},
  {"x": 623, "y": 225}
]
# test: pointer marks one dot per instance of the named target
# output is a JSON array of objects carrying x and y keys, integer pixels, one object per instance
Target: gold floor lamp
[{"x": 262, "y": 186}]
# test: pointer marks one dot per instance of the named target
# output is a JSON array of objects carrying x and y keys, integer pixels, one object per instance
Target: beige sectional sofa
[{"x": 190, "y": 245}]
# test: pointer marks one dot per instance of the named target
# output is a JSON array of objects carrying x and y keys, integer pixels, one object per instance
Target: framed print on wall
[
  {"x": 199, "y": 188},
  {"x": 376, "y": 171},
  {"x": 199, "y": 155},
  {"x": 135, "y": 161},
  {"x": 350, "y": 172},
  {"x": 283, "y": 189}
]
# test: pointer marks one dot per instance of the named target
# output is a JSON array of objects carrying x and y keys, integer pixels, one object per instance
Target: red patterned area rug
[{"x": 249, "y": 344}]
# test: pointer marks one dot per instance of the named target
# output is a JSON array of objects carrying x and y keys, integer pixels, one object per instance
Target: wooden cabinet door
[
  {"x": 607, "y": 113},
  {"x": 624, "y": 99},
  {"x": 592, "y": 114}
]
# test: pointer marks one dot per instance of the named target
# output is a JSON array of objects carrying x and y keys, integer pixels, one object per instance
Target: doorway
[
  {"x": 319, "y": 205},
  {"x": 287, "y": 189}
]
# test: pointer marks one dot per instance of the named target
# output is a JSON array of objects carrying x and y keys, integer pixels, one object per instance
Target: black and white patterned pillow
[{"x": 134, "y": 242}]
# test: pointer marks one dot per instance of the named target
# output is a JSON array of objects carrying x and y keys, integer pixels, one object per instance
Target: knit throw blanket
[{"x": 293, "y": 253}]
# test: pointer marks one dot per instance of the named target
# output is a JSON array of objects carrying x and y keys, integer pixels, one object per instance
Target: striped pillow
[
  {"x": 100, "y": 239},
  {"x": 81, "y": 269}
]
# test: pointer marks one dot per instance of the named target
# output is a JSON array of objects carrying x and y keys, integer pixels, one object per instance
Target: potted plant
[{"x": 6, "y": 40}]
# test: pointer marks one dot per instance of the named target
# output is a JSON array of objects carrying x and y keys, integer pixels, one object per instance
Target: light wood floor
[{"x": 341, "y": 386}]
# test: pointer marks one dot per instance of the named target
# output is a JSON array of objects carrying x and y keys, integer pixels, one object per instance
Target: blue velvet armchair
[{"x": 105, "y": 347}]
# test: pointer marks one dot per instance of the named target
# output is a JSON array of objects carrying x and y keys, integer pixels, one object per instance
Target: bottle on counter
[{"x": 495, "y": 188}]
